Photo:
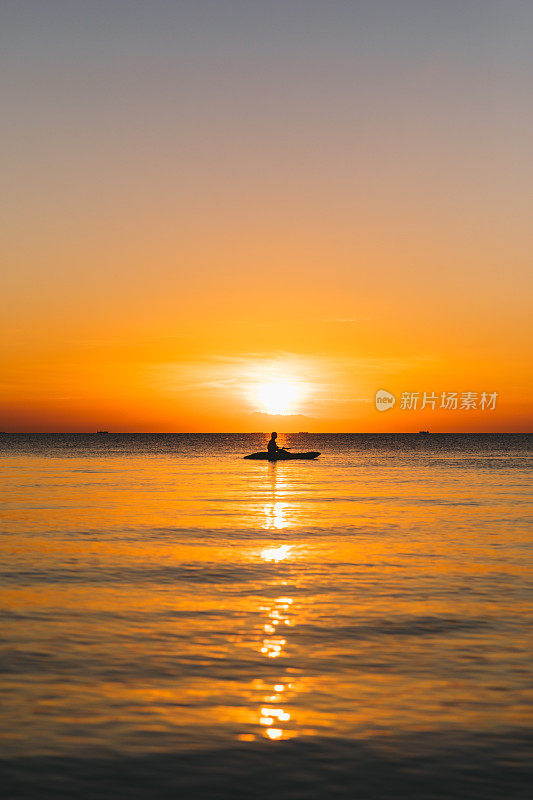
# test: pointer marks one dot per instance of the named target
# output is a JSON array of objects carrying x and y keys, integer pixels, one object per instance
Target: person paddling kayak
[
  {"x": 275, "y": 453},
  {"x": 272, "y": 447}
]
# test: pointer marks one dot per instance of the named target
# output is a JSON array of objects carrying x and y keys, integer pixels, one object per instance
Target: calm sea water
[{"x": 179, "y": 622}]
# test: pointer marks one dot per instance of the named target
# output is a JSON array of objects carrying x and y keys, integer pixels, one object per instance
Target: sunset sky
[{"x": 218, "y": 210}]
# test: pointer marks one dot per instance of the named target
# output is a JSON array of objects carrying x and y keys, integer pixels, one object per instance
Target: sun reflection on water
[
  {"x": 274, "y": 718},
  {"x": 273, "y": 713},
  {"x": 276, "y": 553},
  {"x": 276, "y": 516},
  {"x": 274, "y": 733}
]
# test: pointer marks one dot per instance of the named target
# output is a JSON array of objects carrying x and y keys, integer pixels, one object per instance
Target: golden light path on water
[{"x": 277, "y": 618}]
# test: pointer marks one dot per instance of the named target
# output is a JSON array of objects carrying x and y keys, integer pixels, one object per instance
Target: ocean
[{"x": 178, "y": 622}]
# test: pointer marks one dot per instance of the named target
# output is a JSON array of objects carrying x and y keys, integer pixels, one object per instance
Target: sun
[
  {"x": 279, "y": 386},
  {"x": 278, "y": 396}
]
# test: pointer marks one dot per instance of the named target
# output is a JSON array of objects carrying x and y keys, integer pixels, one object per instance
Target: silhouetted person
[{"x": 272, "y": 447}]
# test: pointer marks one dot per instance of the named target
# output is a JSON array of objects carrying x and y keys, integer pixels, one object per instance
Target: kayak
[{"x": 283, "y": 456}]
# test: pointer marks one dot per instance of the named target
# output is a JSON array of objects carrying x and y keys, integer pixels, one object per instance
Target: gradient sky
[{"x": 202, "y": 197}]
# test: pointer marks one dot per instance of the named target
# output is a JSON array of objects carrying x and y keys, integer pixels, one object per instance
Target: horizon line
[{"x": 254, "y": 433}]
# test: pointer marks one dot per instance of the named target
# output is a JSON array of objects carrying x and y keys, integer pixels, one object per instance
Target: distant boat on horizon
[{"x": 423, "y": 433}]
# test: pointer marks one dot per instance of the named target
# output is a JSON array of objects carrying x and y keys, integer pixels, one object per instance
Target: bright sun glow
[{"x": 281, "y": 396}]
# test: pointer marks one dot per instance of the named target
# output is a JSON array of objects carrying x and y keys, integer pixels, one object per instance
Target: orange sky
[{"x": 200, "y": 202}]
